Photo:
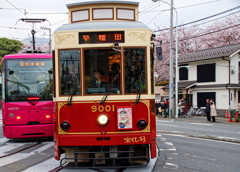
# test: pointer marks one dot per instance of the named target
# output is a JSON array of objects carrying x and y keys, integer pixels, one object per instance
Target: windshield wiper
[
  {"x": 139, "y": 90},
  {"x": 20, "y": 84},
  {"x": 109, "y": 89},
  {"x": 73, "y": 89}
]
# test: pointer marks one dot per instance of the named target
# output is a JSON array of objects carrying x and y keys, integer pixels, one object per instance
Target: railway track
[{"x": 20, "y": 149}]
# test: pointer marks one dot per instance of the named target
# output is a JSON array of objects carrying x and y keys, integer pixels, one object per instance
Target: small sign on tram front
[{"x": 124, "y": 118}]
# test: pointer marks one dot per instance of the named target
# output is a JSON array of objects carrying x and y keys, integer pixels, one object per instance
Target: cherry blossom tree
[{"x": 197, "y": 37}]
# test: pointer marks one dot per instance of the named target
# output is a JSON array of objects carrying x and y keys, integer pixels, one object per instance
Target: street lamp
[
  {"x": 171, "y": 59},
  {"x": 176, "y": 88}
]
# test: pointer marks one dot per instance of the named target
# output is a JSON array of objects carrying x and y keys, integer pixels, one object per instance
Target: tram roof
[
  {"x": 102, "y": 2},
  {"x": 26, "y": 55},
  {"x": 102, "y": 25}
]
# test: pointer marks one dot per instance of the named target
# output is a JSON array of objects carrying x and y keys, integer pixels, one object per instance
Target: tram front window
[
  {"x": 102, "y": 71},
  {"x": 69, "y": 72},
  {"x": 135, "y": 70},
  {"x": 28, "y": 78}
]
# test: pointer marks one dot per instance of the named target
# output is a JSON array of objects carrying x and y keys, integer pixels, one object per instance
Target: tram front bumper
[
  {"x": 28, "y": 131},
  {"x": 105, "y": 139}
]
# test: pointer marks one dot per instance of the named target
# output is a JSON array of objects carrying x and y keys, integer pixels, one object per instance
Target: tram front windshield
[
  {"x": 102, "y": 71},
  {"x": 27, "y": 78}
]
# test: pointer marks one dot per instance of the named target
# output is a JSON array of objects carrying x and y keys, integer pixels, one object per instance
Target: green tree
[{"x": 9, "y": 46}]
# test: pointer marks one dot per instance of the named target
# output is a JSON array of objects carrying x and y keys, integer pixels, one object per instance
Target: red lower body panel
[
  {"x": 28, "y": 131},
  {"x": 102, "y": 140}
]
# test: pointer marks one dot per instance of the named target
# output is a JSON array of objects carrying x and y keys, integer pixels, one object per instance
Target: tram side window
[
  {"x": 3, "y": 79},
  {"x": 135, "y": 72},
  {"x": 102, "y": 71},
  {"x": 69, "y": 72}
]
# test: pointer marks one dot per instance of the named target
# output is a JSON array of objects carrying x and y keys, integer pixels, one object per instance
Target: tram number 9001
[{"x": 102, "y": 108}]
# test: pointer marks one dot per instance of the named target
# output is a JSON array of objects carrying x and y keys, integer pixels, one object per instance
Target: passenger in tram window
[
  {"x": 114, "y": 78},
  {"x": 115, "y": 68},
  {"x": 98, "y": 81}
]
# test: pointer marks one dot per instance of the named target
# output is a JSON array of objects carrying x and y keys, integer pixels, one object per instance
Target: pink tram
[
  {"x": 104, "y": 87},
  {"x": 27, "y": 106}
]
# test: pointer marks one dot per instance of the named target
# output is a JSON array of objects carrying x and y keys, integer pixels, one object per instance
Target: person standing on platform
[
  {"x": 207, "y": 110},
  {"x": 213, "y": 111}
]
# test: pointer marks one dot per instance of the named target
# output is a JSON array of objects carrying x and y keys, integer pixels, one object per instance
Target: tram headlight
[
  {"x": 11, "y": 115},
  {"x": 142, "y": 124},
  {"x": 65, "y": 125},
  {"x": 102, "y": 119}
]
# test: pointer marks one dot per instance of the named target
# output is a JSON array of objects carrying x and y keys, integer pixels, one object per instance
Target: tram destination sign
[{"x": 101, "y": 37}]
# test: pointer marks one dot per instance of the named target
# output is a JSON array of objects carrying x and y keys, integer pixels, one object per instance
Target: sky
[{"x": 153, "y": 14}]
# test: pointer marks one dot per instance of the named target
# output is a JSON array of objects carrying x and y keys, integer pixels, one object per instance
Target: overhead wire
[
  {"x": 214, "y": 19},
  {"x": 204, "y": 34},
  {"x": 154, "y": 17},
  {"x": 194, "y": 5},
  {"x": 205, "y": 22},
  {"x": 48, "y": 13},
  {"x": 14, "y": 28},
  {"x": 24, "y": 13},
  {"x": 201, "y": 19},
  {"x": 154, "y": 6},
  {"x": 147, "y": 6},
  {"x": 181, "y": 7}
]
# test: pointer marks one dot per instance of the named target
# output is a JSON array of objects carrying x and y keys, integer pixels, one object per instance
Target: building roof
[
  {"x": 227, "y": 86},
  {"x": 103, "y": 2},
  {"x": 211, "y": 53},
  {"x": 186, "y": 84},
  {"x": 102, "y": 25},
  {"x": 182, "y": 85},
  {"x": 193, "y": 84}
]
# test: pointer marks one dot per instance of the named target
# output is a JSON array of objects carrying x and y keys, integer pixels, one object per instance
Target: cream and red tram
[{"x": 104, "y": 92}]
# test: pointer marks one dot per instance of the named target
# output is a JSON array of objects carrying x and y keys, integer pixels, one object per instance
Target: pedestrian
[
  {"x": 213, "y": 111},
  {"x": 207, "y": 110},
  {"x": 166, "y": 107},
  {"x": 157, "y": 105},
  {"x": 182, "y": 106}
]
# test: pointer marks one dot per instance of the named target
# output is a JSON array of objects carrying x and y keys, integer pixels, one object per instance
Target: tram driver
[
  {"x": 98, "y": 81},
  {"x": 98, "y": 86}
]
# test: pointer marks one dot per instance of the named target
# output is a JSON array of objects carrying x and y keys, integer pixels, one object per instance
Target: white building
[{"x": 214, "y": 74}]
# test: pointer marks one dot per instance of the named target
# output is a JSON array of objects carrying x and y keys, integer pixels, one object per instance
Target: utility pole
[{"x": 171, "y": 98}]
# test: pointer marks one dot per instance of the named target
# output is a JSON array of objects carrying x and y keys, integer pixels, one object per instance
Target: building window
[
  {"x": 99, "y": 14},
  {"x": 203, "y": 96},
  {"x": 238, "y": 96},
  {"x": 206, "y": 73},
  {"x": 183, "y": 73},
  {"x": 239, "y": 72}
]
